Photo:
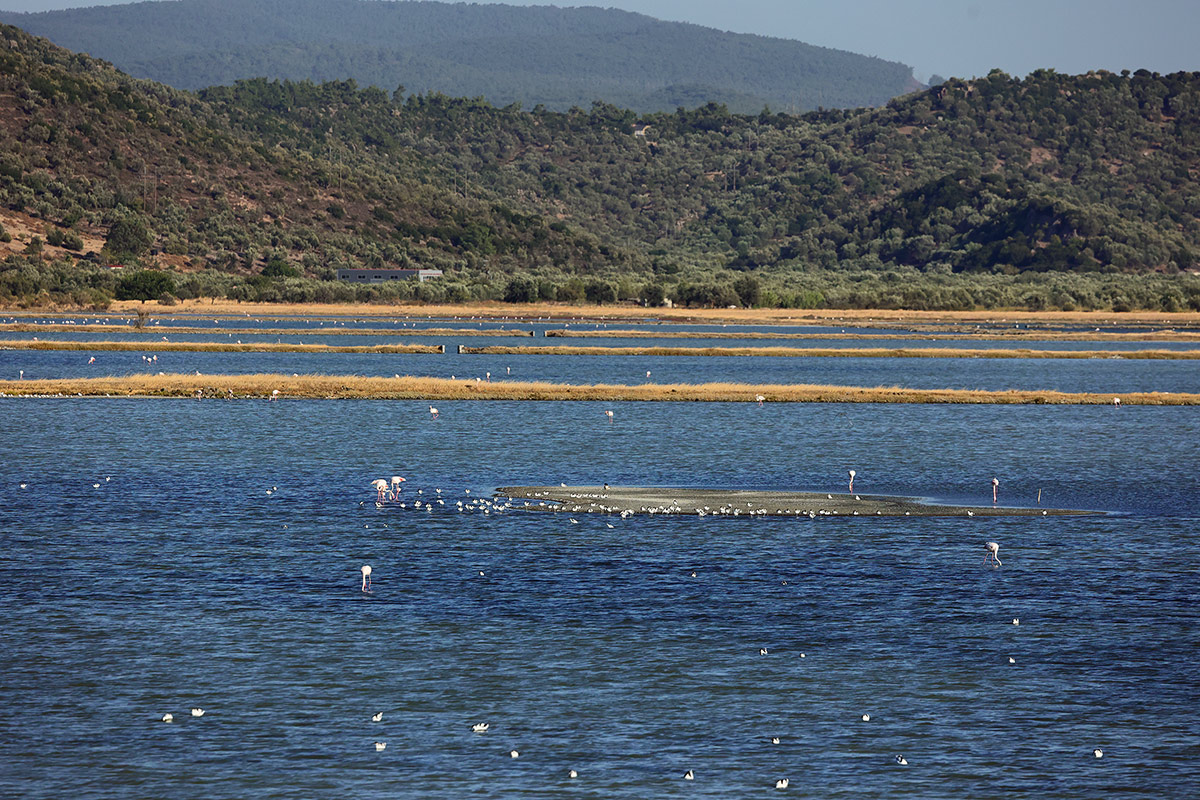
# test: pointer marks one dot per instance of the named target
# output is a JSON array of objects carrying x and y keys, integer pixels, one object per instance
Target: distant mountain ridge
[{"x": 557, "y": 57}]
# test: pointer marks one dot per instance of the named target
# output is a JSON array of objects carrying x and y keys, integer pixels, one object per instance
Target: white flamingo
[
  {"x": 396, "y": 481},
  {"x": 609, "y": 414},
  {"x": 995, "y": 486},
  {"x": 380, "y": 486},
  {"x": 366, "y": 577},
  {"x": 852, "y": 474},
  {"x": 993, "y": 553},
  {"x": 433, "y": 412}
]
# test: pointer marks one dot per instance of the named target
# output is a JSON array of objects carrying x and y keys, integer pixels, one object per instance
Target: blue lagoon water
[{"x": 181, "y": 582}]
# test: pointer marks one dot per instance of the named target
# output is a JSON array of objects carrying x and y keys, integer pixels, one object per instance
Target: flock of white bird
[{"x": 500, "y": 505}]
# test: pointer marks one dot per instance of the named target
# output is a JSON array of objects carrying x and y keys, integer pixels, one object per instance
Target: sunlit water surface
[{"x": 181, "y": 582}]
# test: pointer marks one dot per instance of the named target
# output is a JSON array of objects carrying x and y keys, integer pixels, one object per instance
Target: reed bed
[
  {"x": 957, "y": 334},
  {"x": 221, "y": 347},
  {"x": 823, "y": 352},
  {"x": 58, "y": 327},
  {"x": 413, "y": 388}
]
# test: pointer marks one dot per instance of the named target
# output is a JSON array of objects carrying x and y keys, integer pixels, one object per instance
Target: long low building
[{"x": 381, "y": 275}]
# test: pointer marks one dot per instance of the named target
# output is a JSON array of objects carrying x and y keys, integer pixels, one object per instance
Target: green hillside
[
  {"x": 556, "y": 57},
  {"x": 1053, "y": 191}
]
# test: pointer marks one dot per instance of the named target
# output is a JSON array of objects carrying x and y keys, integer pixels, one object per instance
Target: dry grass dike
[
  {"x": 740, "y": 316},
  {"x": 220, "y": 347},
  {"x": 824, "y": 352},
  {"x": 423, "y": 388}
]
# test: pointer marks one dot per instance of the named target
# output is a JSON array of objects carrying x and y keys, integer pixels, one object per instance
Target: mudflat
[{"x": 736, "y": 502}]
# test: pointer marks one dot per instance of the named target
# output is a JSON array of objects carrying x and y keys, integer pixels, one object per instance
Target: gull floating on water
[
  {"x": 572, "y": 774},
  {"x": 689, "y": 776},
  {"x": 197, "y": 712},
  {"x": 479, "y": 727},
  {"x": 513, "y": 754},
  {"x": 380, "y": 746},
  {"x": 1098, "y": 753},
  {"x": 774, "y": 740},
  {"x": 1016, "y": 621},
  {"x": 168, "y": 717},
  {"x": 866, "y": 717},
  {"x": 782, "y": 783},
  {"x": 902, "y": 761},
  {"x": 377, "y": 717}
]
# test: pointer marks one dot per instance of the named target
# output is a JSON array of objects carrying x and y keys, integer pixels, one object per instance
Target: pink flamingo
[
  {"x": 381, "y": 488},
  {"x": 609, "y": 414},
  {"x": 396, "y": 481},
  {"x": 995, "y": 484},
  {"x": 852, "y": 474},
  {"x": 993, "y": 553},
  {"x": 366, "y": 577}
]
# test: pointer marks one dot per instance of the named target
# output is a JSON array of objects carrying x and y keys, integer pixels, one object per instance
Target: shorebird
[
  {"x": 366, "y": 577},
  {"x": 993, "y": 553}
]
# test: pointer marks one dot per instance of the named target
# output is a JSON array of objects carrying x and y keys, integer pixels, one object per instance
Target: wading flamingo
[
  {"x": 993, "y": 553},
  {"x": 366, "y": 577},
  {"x": 995, "y": 485},
  {"x": 852, "y": 474},
  {"x": 380, "y": 486}
]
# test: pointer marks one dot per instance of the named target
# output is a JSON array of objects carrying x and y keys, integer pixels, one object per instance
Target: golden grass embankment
[
  {"x": 414, "y": 388},
  {"x": 825, "y": 352},
  {"x": 221, "y": 347},
  {"x": 744, "y": 316},
  {"x": 985, "y": 336},
  {"x": 59, "y": 327}
]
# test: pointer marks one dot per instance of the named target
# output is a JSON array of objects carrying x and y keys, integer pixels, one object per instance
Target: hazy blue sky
[{"x": 948, "y": 37}]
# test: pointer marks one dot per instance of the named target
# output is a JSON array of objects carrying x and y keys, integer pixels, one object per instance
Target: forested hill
[
  {"x": 557, "y": 57},
  {"x": 1079, "y": 175}
]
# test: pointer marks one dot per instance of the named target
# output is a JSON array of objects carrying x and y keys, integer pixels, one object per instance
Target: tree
[
  {"x": 748, "y": 290},
  {"x": 145, "y": 284},
  {"x": 128, "y": 238},
  {"x": 279, "y": 268}
]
